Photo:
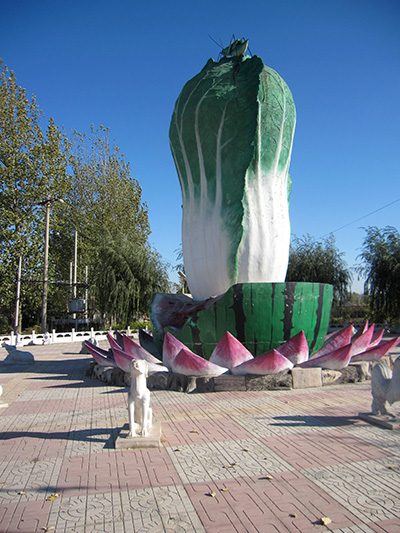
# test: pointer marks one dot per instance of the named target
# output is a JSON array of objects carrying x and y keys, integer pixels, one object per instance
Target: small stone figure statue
[
  {"x": 385, "y": 387},
  {"x": 139, "y": 408}
]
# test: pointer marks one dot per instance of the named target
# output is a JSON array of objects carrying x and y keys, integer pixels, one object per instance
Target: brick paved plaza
[{"x": 271, "y": 461}]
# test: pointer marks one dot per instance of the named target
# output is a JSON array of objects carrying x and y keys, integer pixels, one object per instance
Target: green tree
[
  {"x": 100, "y": 198},
  {"x": 319, "y": 261},
  {"x": 103, "y": 198},
  {"x": 32, "y": 167},
  {"x": 126, "y": 277},
  {"x": 103, "y": 189},
  {"x": 105, "y": 207},
  {"x": 380, "y": 265}
]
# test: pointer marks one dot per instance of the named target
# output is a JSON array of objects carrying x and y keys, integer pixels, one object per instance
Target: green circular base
[{"x": 261, "y": 316}]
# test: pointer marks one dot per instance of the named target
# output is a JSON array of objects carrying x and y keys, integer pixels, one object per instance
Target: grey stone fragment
[
  {"x": 353, "y": 373},
  {"x": 283, "y": 380},
  {"x": 330, "y": 376},
  {"x": 229, "y": 382},
  {"x": 179, "y": 382},
  {"x": 158, "y": 381}
]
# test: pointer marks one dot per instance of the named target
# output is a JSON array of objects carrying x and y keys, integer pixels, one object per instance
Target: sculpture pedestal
[
  {"x": 261, "y": 316},
  {"x": 384, "y": 421},
  {"x": 153, "y": 439}
]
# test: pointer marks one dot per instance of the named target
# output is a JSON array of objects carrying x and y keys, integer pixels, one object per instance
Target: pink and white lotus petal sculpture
[
  {"x": 295, "y": 349},
  {"x": 119, "y": 339},
  {"x": 112, "y": 342},
  {"x": 131, "y": 347},
  {"x": 337, "y": 340},
  {"x": 124, "y": 360},
  {"x": 376, "y": 352},
  {"x": 376, "y": 338},
  {"x": 146, "y": 341},
  {"x": 335, "y": 360},
  {"x": 190, "y": 364},
  {"x": 271, "y": 362},
  {"x": 100, "y": 356},
  {"x": 360, "y": 331},
  {"x": 230, "y": 352},
  {"x": 361, "y": 344},
  {"x": 171, "y": 348}
]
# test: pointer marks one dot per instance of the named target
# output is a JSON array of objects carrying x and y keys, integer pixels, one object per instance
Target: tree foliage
[
  {"x": 103, "y": 189},
  {"x": 319, "y": 261},
  {"x": 102, "y": 202},
  {"x": 126, "y": 277},
  {"x": 105, "y": 205},
  {"x": 380, "y": 265},
  {"x": 32, "y": 167}
]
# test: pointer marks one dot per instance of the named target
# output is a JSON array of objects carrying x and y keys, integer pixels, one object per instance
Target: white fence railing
[
  {"x": 389, "y": 328},
  {"x": 99, "y": 335},
  {"x": 54, "y": 337}
]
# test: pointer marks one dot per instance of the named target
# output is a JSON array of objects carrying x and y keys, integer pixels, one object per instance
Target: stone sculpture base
[
  {"x": 153, "y": 439},
  {"x": 384, "y": 421},
  {"x": 297, "y": 378}
]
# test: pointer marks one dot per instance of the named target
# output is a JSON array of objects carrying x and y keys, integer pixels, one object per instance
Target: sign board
[{"x": 77, "y": 305}]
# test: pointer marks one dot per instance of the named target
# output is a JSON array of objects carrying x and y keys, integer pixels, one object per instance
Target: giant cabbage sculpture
[{"x": 231, "y": 137}]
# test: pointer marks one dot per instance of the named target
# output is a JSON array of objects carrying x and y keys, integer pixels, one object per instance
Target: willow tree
[
  {"x": 32, "y": 167},
  {"x": 319, "y": 261},
  {"x": 126, "y": 276},
  {"x": 104, "y": 197},
  {"x": 380, "y": 265},
  {"x": 106, "y": 209}
]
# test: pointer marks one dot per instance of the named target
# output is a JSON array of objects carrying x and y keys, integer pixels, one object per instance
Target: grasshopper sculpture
[{"x": 236, "y": 48}]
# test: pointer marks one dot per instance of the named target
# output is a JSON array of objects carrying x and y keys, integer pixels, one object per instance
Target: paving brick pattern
[{"x": 265, "y": 461}]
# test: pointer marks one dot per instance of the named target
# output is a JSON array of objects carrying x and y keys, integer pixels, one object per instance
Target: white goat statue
[
  {"x": 139, "y": 408},
  {"x": 385, "y": 387}
]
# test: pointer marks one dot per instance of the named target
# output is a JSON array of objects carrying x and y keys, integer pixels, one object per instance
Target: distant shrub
[
  {"x": 135, "y": 325},
  {"x": 4, "y": 326}
]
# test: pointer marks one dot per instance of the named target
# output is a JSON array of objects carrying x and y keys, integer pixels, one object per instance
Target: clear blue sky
[{"x": 122, "y": 64}]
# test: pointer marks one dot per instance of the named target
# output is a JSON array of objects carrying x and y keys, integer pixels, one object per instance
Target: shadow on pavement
[
  {"x": 316, "y": 421},
  {"x": 83, "y": 435}
]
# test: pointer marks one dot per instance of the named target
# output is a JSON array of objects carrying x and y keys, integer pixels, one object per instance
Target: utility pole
[
  {"x": 75, "y": 263},
  {"x": 45, "y": 267},
  {"x": 16, "y": 321},
  {"x": 46, "y": 202},
  {"x": 74, "y": 292},
  {"x": 86, "y": 293}
]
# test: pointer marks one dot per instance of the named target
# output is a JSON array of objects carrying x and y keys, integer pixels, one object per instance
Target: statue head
[{"x": 139, "y": 366}]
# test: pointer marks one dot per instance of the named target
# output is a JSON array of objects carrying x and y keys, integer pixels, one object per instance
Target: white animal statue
[
  {"x": 385, "y": 386},
  {"x": 139, "y": 408}
]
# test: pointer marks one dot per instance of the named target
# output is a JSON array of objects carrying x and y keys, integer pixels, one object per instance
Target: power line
[{"x": 361, "y": 218}]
